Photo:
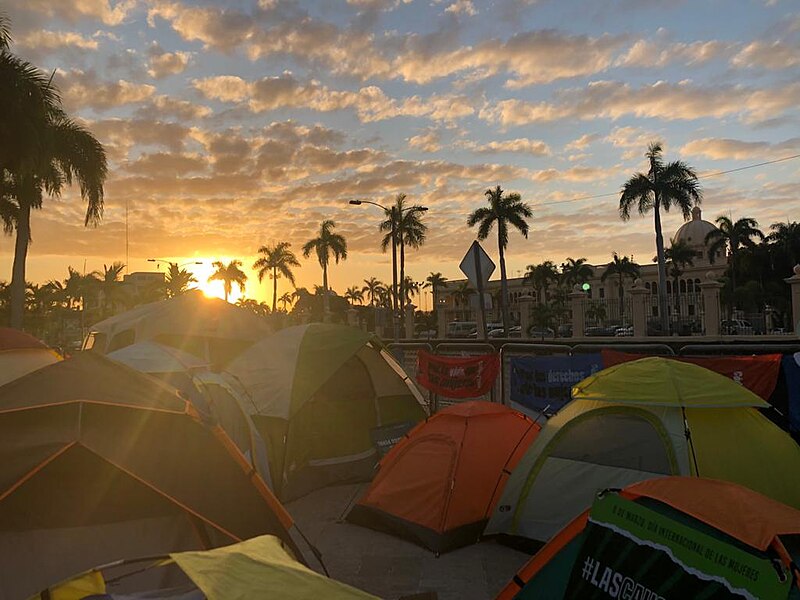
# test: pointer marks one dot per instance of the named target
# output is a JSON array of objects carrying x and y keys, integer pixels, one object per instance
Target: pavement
[{"x": 389, "y": 567}]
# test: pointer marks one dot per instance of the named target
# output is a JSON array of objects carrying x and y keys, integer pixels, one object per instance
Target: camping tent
[
  {"x": 99, "y": 462},
  {"x": 209, "y": 328},
  {"x": 256, "y": 568},
  {"x": 318, "y": 394},
  {"x": 21, "y": 353},
  {"x": 673, "y": 537},
  {"x": 640, "y": 420},
  {"x": 222, "y": 396},
  {"x": 439, "y": 484}
]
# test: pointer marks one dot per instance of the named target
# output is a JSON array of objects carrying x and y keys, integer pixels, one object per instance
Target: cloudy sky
[{"x": 229, "y": 125}]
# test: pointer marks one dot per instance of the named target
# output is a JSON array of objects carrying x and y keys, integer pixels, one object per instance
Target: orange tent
[
  {"x": 438, "y": 485},
  {"x": 720, "y": 508}
]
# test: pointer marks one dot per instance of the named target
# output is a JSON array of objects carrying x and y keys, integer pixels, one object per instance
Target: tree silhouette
[
  {"x": 325, "y": 245},
  {"x": 505, "y": 211},
  {"x": 662, "y": 187},
  {"x": 229, "y": 275},
  {"x": 278, "y": 261}
]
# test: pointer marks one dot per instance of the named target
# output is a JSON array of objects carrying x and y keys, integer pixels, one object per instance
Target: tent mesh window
[{"x": 624, "y": 441}]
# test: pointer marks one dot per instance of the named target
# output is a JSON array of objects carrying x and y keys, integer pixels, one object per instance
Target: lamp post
[
  {"x": 169, "y": 262},
  {"x": 392, "y": 212}
]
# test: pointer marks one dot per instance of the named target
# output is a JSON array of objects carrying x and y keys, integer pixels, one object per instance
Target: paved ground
[{"x": 389, "y": 567}]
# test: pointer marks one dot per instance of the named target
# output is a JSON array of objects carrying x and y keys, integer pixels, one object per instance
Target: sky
[{"x": 230, "y": 125}]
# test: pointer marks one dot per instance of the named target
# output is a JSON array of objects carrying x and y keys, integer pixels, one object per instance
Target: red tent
[{"x": 438, "y": 485}]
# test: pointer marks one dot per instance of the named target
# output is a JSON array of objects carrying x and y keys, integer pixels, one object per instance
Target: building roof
[{"x": 694, "y": 232}]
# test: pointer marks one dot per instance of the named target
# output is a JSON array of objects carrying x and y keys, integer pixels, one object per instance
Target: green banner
[{"x": 631, "y": 551}]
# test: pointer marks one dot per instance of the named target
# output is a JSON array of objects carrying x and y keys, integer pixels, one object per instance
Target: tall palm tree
[
  {"x": 41, "y": 151},
  {"x": 503, "y": 210},
  {"x": 734, "y": 236},
  {"x": 409, "y": 231},
  {"x": 663, "y": 186},
  {"x": 680, "y": 255},
  {"x": 229, "y": 275},
  {"x": 371, "y": 288},
  {"x": 540, "y": 277},
  {"x": 410, "y": 289},
  {"x": 327, "y": 244},
  {"x": 435, "y": 281},
  {"x": 623, "y": 268},
  {"x": 177, "y": 280},
  {"x": 354, "y": 294},
  {"x": 278, "y": 261},
  {"x": 575, "y": 271}
]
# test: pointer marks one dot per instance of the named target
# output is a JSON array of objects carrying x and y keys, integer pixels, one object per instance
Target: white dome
[{"x": 694, "y": 232}]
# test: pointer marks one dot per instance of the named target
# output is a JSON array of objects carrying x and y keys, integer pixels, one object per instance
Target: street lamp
[
  {"x": 169, "y": 262},
  {"x": 391, "y": 212}
]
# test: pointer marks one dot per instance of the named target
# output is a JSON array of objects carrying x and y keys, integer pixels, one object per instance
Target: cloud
[
  {"x": 533, "y": 57},
  {"x": 166, "y": 164},
  {"x": 44, "y": 39},
  {"x": 429, "y": 140},
  {"x": 465, "y": 7},
  {"x": 163, "y": 64},
  {"x": 162, "y": 107},
  {"x": 370, "y": 103},
  {"x": 71, "y": 10},
  {"x": 764, "y": 55},
  {"x": 518, "y": 145},
  {"x": 582, "y": 142},
  {"x": 218, "y": 28},
  {"x": 661, "y": 100},
  {"x": 731, "y": 149},
  {"x": 652, "y": 54},
  {"x": 83, "y": 89}
]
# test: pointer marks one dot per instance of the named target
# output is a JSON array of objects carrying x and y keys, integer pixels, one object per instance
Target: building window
[
  {"x": 602, "y": 292},
  {"x": 683, "y": 286},
  {"x": 654, "y": 288}
]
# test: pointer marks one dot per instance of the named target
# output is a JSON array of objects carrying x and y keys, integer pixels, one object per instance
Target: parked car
[
  {"x": 626, "y": 331},
  {"x": 427, "y": 334},
  {"x": 541, "y": 333},
  {"x": 565, "y": 330},
  {"x": 461, "y": 329},
  {"x": 600, "y": 331},
  {"x": 499, "y": 332},
  {"x": 737, "y": 327}
]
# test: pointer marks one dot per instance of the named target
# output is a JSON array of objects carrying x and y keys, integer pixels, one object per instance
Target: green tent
[
  {"x": 320, "y": 393},
  {"x": 256, "y": 568}
]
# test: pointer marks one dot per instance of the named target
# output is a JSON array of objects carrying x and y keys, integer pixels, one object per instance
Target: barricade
[
  {"x": 507, "y": 351},
  {"x": 406, "y": 354},
  {"x": 467, "y": 349}
]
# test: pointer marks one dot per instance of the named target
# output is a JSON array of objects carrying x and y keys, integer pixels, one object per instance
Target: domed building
[{"x": 694, "y": 233}]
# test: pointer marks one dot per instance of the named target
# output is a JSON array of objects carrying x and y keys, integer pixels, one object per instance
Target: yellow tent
[
  {"x": 639, "y": 420},
  {"x": 255, "y": 568}
]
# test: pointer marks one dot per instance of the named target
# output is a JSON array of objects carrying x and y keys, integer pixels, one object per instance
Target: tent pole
[{"x": 688, "y": 433}]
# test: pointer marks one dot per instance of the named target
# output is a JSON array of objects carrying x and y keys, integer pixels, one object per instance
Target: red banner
[
  {"x": 759, "y": 373},
  {"x": 455, "y": 376}
]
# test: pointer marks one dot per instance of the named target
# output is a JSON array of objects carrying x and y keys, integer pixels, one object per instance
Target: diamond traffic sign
[{"x": 477, "y": 266}]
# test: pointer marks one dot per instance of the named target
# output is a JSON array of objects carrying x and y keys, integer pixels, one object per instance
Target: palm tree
[
  {"x": 504, "y": 210},
  {"x": 327, "y": 244},
  {"x": 41, "y": 150},
  {"x": 734, "y": 236},
  {"x": 371, "y": 287},
  {"x": 663, "y": 186},
  {"x": 679, "y": 255},
  {"x": 622, "y": 268},
  {"x": 354, "y": 294},
  {"x": 787, "y": 236},
  {"x": 109, "y": 285},
  {"x": 177, "y": 280},
  {"x": 278, "y": 261},
  {"x": 435, "y": 281},
  {"x": 410, "y": 289},
  {"x": 286, "y": 299},
  {"x": 575, "y": 271},
  {"x": 540, "y": 277},
  {"x": 229, "y": 274},
  {"x": 409, "y": 231},
  {"x": 462, "y": 294}
]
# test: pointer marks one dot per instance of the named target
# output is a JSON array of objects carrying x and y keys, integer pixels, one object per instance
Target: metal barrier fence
[{"x": 406, "y": 354}]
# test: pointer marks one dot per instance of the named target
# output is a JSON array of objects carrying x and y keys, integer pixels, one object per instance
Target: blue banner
[
  {"x": 539, "y": 382},
  {"x": 791, "y": 371}
]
